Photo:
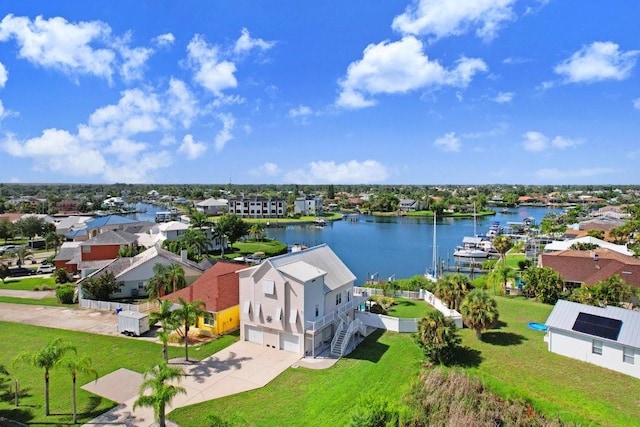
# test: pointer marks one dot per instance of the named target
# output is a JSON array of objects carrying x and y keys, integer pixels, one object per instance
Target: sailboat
[
  {"x": 432, "y": 274},
  {"x": 471, "y": 246}
]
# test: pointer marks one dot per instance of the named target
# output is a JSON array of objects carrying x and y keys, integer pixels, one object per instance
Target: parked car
[
  {"x": 46, "y": 269},
  {"x": 8, "y": 249},
  {"x": 21, "y": 271}
]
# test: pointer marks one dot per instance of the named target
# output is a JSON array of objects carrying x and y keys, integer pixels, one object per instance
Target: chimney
[{"x": 183, "y": 255}]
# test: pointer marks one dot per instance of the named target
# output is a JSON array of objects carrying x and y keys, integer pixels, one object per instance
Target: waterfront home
[
  {"x": 213, "y": 206},
  {"x": 409, "y": 205},
  {"x": 300, "y": 302},
  {"x": 308, "y": 205},
  {"x": 607, "y": 337},
  {"x": 218, "y": 289},
  {"x": 134, "y": 272},
  {"x": 587, "y": 268},
  {"x": 563, "y": 245},
  {"x": 258, "y": 207}
]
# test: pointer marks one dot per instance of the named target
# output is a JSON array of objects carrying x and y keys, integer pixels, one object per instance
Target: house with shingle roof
[
  {"x": 562, "y": 245},
  {"x": 587, "y": 268},
  {"x": 607, "y": 337},
  {"x": 134, "y": 272},
  {"x": 218, "y": 288}
]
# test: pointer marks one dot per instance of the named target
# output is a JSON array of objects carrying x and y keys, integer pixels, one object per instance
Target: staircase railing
[{"x": 337, "y": 334}]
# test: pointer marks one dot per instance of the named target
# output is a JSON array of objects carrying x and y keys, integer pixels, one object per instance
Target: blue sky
[{"x": 380, "y": 92}]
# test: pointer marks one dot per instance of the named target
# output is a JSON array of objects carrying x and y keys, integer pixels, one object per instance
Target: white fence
[
  {"x": 425, "y": 295},
  {"x": 113, "y": 305},
  {"x": 389, "y": 323}
]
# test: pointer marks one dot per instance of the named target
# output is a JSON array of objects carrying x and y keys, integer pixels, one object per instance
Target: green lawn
[
  {"x": 269, "y": 247},
  {"x": 383, "y": 366},
  {"x": 409, "y": 308},
  {"x": 29, "y": 283},
  {"x": 107, "y": 353},
  {"x": 513, "y": 360},
  {"x": 53, "y": 301}
]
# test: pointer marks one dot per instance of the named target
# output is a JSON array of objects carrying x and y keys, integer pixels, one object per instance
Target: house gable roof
[
  {"x": 110, "y": 238},
  {"x": 218, "y": 288},
  {"x": 321, "y": 257},
  {"x": 584, "y": 267},
  {"x": 564, "y": 315},
  {"x": 566, "y": 244},
  {"x": 302, "y": 271},
  {"x": 108, "y": 220}
]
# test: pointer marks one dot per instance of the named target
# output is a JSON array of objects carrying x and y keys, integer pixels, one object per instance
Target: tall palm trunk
[
  {"x": 46, "y": 392},
  {"x": 186, "y": 341},
  {"x": 75, "y": 407}
]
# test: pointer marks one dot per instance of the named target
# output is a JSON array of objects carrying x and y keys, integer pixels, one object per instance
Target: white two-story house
[{"x": 301, "y": 302}]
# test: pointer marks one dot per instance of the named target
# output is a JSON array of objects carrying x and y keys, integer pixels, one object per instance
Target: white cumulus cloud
[
  {"x": 597, "y": 62},
  {"x": 444, "y": 18},
  {"x": 224, "y": 135},
  {"x": 564, "y": 142},
  {"x": 164, "y": 40},
  {"x": 400, "y": 67},
  {"x": 300, "y": 111},
  {"x": 246, "y": 43},
  {"x": 56, "y": 43},
  {"x": 211, "y": 71},
  {"x": 267, "y": 169},
  {"x": 448, "y": 142},
  {"x": 181, "y": 103},
  {"x": 4, "y": 75},
  {"x": 191, "y": 148},
  {"x": 537, "y": 142},
  {"x": 504, "y": 97},
  {"x": 330, "y": 172}
]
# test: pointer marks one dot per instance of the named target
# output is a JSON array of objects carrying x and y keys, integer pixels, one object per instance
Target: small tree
[
  {"x": 77, "y": 366},
  {"x": 543, "y": 283},
  {"x": 438, "y": 337},
  {"x": 22, "y": 253},
  {"x": 4, "y": 271},
  {"x": 46, "y": 358},
  {"x": 165, "y": 316},
  {"x": 186, "y": 316},
  {"x": 101, "y": 287},
  {"x": 158, "y": 381},
  {"x": 479, "y": 311},
  {"x": 502, "y": 244},
  {"x": 65, "y": 294},
  {"x": 61, "y": 276},
  {"x": 54, "y": 240}
]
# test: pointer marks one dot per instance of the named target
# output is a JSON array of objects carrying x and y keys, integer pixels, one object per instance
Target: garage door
[
  {"x": 289, "y": 342},
  {"x": 254, "y": 335}
]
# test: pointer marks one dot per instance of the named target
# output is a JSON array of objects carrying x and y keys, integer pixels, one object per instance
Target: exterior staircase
[{"x": 337, "y": 343}]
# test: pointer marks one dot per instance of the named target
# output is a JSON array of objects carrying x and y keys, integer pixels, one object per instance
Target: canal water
[{"x": 387, "y": 247}]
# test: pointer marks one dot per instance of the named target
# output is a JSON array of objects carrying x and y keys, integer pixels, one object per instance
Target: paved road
[{"x": 76, "y": 319}]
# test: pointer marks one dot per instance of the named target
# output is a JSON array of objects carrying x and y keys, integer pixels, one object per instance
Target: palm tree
[
  {"x": 198, "y": 219},
  {"x": 479, "y": 311},
  {"x": 46, "y": 358},
  {"x": 175, "y": 275},
  {"x": 257, "y": 230},
  {"x": 503, "y": 273},
  {"x": 452, "y": 288},
  {"x": 77, "y": 366},
  {"x": 166, "y": 278},
  {"x": 22, "y": 253},
  {"x": 502, "y": 244},
  {"x": 438, "y": 337},
  {"x": 54, "y": 240},
  {"x": 220, "y": 233},
  {"x": 164, "y": 316},
  {"x": 196, "y": 240},
  {"x": 158, "y": 380},
  {"x": 187, "y": 315}
]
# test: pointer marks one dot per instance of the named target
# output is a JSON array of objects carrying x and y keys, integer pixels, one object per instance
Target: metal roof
[
  {"x": 108, "y": 220},
  {"x": 302, "y": 271},
  {"x": 565, "y": 313},
  {"x": 321, "y": 257},
  {"x": 111, "y": 238}
]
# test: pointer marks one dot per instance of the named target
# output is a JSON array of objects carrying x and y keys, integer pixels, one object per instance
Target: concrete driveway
[{"x": 240, "y": 367}]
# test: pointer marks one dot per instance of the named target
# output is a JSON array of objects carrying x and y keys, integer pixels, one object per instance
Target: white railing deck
[{"x": 313, "y": 326}]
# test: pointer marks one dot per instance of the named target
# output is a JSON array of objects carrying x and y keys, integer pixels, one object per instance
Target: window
[
  {"x": 317, "y": 310},
  {"x": 140, "y": 285},
  {"x": 268, "y": 287},
  {"x": 209, "y": 319},
  {"x": 596, "y": 347},
  {"x": 628, "y": 355},
  {"x": 86, "y": 249},
  {"x": 339, "y": 298},
  {"x": 348, "y": 296}
]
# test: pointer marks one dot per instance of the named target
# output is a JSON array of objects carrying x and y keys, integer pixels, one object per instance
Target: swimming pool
[{"x": 537, "y": 326}]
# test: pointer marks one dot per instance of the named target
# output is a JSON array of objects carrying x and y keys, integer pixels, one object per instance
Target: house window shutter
[
  {"x": 246, "y": 309},
  {"x": 293, "y": 317},
  {"x": 268, "y": 287}
]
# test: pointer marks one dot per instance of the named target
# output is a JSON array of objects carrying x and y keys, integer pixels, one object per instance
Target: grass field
[
  {"x": 29, "y": 283},
  {"x": 512, "y": 360},
  {"x": 409, "y": 309},
  {"x": 383, "y": 366},
  {"x": 53, "y": 301},
  {"x": 107, "y": 353},
  {"x": 269, "y": 247}
]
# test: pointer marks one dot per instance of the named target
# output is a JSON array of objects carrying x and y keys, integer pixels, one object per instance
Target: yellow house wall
[{"x": 226, "y": 321}]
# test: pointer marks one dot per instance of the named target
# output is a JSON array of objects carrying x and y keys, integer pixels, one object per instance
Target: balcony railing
[{"x": 334, "y": 315}]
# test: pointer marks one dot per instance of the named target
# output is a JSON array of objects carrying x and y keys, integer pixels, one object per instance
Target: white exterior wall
[
  {"x": 314, "y": 295},
  {"x": 579, "y": 346},
  {"x": 131, "y": 279},
  {"x": 330, "y": 298}
]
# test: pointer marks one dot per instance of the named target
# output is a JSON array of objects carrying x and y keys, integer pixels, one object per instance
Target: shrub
[
  {"x": 375, "y": 413},
  {"x": 61, "y": 276},
  {"x": 65, "y": 294},
  {"x": 377, "y": 309}
]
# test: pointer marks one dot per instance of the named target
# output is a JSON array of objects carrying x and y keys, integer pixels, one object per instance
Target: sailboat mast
[{"x": 435, "y": 248}]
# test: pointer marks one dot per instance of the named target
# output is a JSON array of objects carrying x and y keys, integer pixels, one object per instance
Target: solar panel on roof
[{"x": 603, "y": 327}]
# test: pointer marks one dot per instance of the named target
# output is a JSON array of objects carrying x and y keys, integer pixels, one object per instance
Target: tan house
[{"x": 301, "y": 302}]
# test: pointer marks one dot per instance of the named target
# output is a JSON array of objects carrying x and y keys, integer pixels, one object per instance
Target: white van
[{"x": 46, "y": 269}]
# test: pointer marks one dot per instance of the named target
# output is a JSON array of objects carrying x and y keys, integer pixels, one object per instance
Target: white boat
[
  {"x": 432, "y": 274},
  {"x": 473, "y": 253}
]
